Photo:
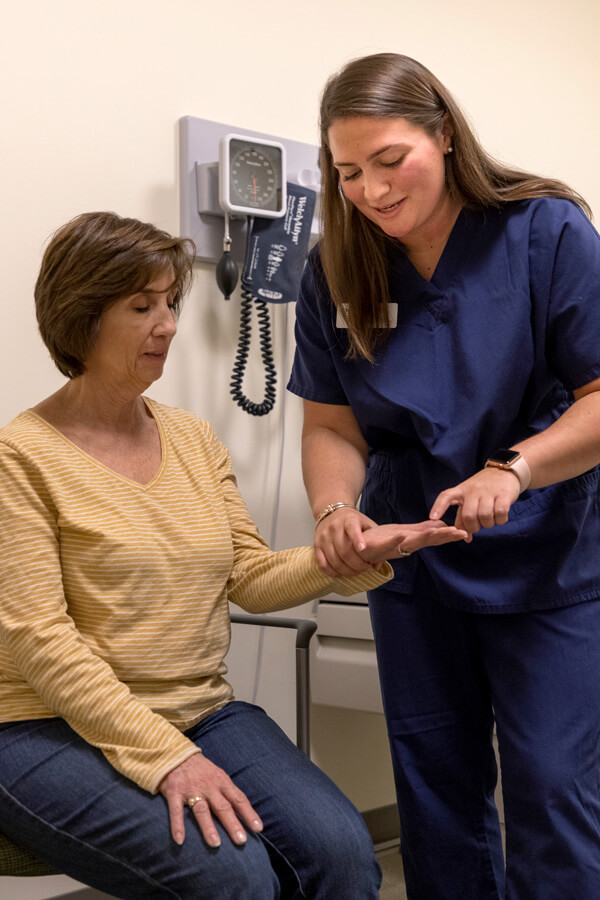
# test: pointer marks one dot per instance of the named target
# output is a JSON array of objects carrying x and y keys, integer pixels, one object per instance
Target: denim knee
[
  {"x": 233, "y": 872},
  {"x": 343, "y": 854},
  {"x": 196, "y": 872}
]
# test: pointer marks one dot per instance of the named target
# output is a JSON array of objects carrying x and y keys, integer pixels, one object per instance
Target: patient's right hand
[
  {"x": 394, "y": 541},
  {"x": 199, "y": 777},
  {"x": 348, "y": 542}
]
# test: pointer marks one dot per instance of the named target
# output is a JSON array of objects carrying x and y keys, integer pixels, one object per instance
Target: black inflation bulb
[{"x": 227, "y": 274}]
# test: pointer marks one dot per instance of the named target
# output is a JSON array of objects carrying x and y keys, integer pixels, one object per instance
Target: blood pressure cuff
[{"x": 277, "y": 249}]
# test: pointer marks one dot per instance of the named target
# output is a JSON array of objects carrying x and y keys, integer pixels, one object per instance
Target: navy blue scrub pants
[
  {"x": 61, "y": 798},
  {"x": 446, "y": 676}
]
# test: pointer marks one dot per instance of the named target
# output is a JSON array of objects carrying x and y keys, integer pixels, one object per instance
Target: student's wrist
[
  {"x": 329, "y": 509},
  {"x": 511, "y": 460}
]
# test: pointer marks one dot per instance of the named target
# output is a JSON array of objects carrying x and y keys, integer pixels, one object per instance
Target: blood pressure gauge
[{"x": 252, "y": 180}]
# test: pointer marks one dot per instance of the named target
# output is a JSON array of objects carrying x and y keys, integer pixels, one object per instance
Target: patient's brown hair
[{"x": 90, "y": 263}]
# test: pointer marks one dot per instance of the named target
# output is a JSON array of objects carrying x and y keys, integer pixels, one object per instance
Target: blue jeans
[
  {"x": 60, "y": 798},
  {"x": 445, "y": 676}
]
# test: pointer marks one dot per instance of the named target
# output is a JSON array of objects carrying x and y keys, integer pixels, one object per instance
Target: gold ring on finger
[{"x": 191, "y": 801}]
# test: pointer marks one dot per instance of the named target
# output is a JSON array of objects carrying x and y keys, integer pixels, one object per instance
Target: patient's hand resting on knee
[{"x": 214, "y": 793}]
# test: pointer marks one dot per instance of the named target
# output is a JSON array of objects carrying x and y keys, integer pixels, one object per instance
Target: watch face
[
  {"x": 255, "y": 175},
  {"x": 505, "y": 457}
]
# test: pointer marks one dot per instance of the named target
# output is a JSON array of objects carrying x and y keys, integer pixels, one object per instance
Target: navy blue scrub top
[{"x": 484, "y": 355}]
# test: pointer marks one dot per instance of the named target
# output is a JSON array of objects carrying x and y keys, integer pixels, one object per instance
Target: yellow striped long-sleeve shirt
[{"x": 114, "y": 595}]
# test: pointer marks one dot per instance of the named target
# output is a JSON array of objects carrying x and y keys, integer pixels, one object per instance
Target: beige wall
[{"x": 90, "y": 94}]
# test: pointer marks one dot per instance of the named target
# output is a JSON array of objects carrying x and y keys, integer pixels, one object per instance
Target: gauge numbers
[
  {"x": 252, "y": 173},
  {"x": 253, "y": 178}
]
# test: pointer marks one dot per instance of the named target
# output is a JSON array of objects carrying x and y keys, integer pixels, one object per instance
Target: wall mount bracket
[{"x": 200, "y": 216}]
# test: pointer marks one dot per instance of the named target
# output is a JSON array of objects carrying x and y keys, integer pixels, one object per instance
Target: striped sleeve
[{"x": 262, "y": 580}]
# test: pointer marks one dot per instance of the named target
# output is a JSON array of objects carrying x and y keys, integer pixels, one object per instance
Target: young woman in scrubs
[{"x": 448, "y": 354}]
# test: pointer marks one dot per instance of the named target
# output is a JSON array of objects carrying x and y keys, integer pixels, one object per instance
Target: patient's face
[{"x": 134, "y": 336}]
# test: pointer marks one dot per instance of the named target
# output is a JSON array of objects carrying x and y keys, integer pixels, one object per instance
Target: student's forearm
[
  {"x": 333, "y": 468},
  {"x": 567, "y": 448}
]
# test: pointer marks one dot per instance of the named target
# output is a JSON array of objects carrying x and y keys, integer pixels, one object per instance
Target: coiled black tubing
[{"x": 243, "y": 349}]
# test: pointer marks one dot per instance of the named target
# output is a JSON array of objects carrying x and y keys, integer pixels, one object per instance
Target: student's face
[
  {"x": 393, "y": 172},
  {"x": 134, "y": 335}
]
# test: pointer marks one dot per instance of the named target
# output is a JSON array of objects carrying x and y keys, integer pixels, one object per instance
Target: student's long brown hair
[{"x": 388, "y": 85}]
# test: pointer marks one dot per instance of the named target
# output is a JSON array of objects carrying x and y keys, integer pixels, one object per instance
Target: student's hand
[
  {"x": 218, "y": 796},
  {"x": 352, "y": 543},
  {"x": 336, "y": 539},
  {"x": 394, "y": 541},
  {"x": 483, "y": 500}
]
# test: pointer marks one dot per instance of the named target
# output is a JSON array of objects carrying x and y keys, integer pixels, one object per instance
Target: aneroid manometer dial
[{"x": 252, "y": 176}]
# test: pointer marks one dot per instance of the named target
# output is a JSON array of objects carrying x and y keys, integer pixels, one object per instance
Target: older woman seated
[{"x": 123, "y": 538}]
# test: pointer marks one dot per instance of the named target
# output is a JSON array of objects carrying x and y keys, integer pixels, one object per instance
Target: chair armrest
[{"x": 305, "y": 628}]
